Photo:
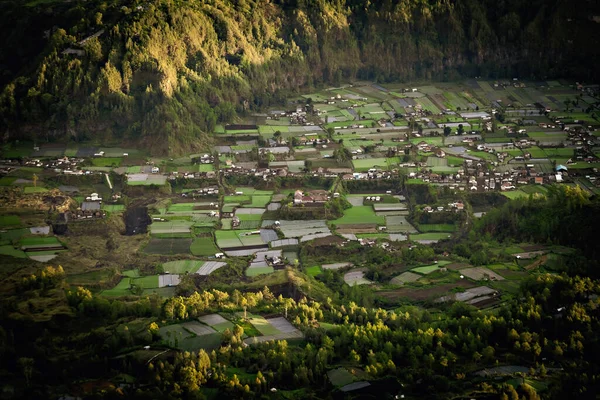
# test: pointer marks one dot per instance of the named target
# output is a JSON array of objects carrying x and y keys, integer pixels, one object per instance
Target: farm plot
[
  {"x": 180, "y": 337},
  {"x": 204, "y": 246},
  {"x": 353, "y": 278},
  {"x": 295, "y": 229},
  {"x": 168, "y": 280},
  {"x": 241, "y": 238},
  {"x": 9, "y": 221},
  {"x": 197, "y": 328},
  {"x": 437, "y": 227},
  {"x": 209, "y": 267},
  {"x": 405, "y": 277},
  {"x": 398, "y": 223},
  {"x": 9, "y": 250},
  {"x": 171, "y": 227},
  {"x": 426, "y": 269},
  {"x": 359, "y": 215},
  {"x": 431, "y": 236},
  {"x": 255, "y": 271},
  {"x": 272, "y": 329},
  {"x": 216, "y": 322},
  {"x": 480, "y": 273},
  {"x": 340, "y": 377},
  {"x": 259, "y": 201},
  {"x": 368, "y": 163},
  {"x": 336, "y": 265},
  {"x": 121, "y": 289},
  {"x": 40, "y": 243},
  {"x": 147, "y": 282},
  {"x": 182, "y": 266},
  {"x": 168, "y": 246}
]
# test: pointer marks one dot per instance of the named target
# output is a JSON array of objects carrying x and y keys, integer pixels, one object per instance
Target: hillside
[{"x": 165, "y": 73}]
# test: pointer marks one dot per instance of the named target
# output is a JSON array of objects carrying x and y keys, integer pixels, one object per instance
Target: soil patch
[{"x": 424, "y": 294}]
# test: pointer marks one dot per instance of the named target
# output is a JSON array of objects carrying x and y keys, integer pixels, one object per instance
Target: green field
[
  {"x": 426, "y": 269},
  {"x": 106, "y": 161},
  {"x": 204, "y": 246},
  {"x": 262, "y": 325},
  {"x": 314, "y": 270},
  {"x": 34, "y": 189},
  {"x": 132, "y": 273},
  {"x": 237, "y": 238},
  {"x": 340, "y": 377},
  {"x": 437, "y": 227},
  {"x": 147, "y": 282},
  {"x": 11, "y": 221},
  {"x": 40, "y": 241},
  {"x": 429, "y": 236},
  {"x": 259, "y": 271},
  {"x": 122, "y": 289},
  {"x": 182, "y": 266},
  {"x": 8, "y": 250},
  {"x": 259, "y": 201},
  {"x": 113, "y": 207},
  {"x": 359, "y": 215}
]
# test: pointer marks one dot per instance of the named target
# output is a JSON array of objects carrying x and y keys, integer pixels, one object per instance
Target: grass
[
  {"x": 132, "y": 273},
  {"x": 168, "y": 246},
  {"x": 11, "y": 251},
  {"x": 90, "y": 278},
  {"x": 113, "y": 207},
  {"x": 34, "y": 189},
  {"x": 121, "y": 289},
  {"x": 515, "y": 194},
  {"x": 182, "y": 266},
  {"x": 367, "y": 163},
  {"x": 359, "y": 215},
  {"x": 259, "y": 271},
  {"x": 259, "y": 201},
  {"x": 204, "y": 246},
  {"x": 426, "y": 269},
  {"x": 40, "y": 241},
  {"x": 9, "y": 221},
  {"x": 437, "y": 227},
  {"x": 7, "y": 180},
  {"x": 340, "y": 377},
  {"x": 222, "y": 326},
  {"x": 106, "y": 161},
  {"x": 262, "y": 325},
  {"x": 314, "y": 270},
  {"x": 147, "y": 282}
]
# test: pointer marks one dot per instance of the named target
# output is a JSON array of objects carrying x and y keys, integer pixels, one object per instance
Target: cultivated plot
[
  {"x": 209, "y": 267},
  {"x": 405, "y": 277},
  {"x": 480, "y": 273},
  {"x": 353, "y": 278}
]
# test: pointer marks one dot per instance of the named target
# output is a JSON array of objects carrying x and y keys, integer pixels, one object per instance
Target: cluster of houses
[
  {"x": 312, "y": 197},
  {"x": 456, "y": 206}
]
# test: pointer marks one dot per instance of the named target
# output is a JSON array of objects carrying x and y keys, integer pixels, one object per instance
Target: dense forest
[{"x": 165, "y": 73}]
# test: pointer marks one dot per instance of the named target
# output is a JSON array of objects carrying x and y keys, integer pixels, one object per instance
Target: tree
[
  {"x": 447, "y": 130},
  {"x": 461, "y": 129}
]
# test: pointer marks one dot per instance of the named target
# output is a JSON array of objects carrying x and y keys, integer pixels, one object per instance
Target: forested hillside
[{"x": 164, "y": 72}]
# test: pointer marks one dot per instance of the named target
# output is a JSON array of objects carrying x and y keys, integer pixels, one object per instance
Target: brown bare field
[
  {"x": 479, "y": 273},
  {"x": 424, "y": 294},
  {"x": 457, "y": 266},
  {"x": 541, "y": 261},
  {"x": 362, "y": 228}
]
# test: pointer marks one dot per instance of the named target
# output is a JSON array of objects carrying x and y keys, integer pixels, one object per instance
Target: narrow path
[{"x": 108, "y": 181}]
